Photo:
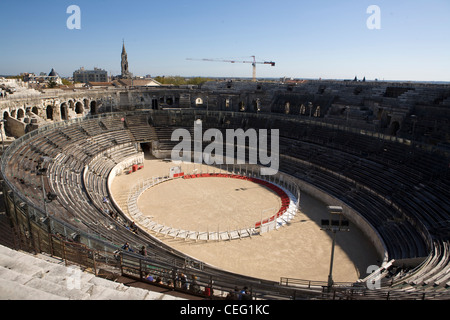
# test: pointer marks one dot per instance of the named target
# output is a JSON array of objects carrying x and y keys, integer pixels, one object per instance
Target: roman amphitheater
[{"x": 86, "y": 171}]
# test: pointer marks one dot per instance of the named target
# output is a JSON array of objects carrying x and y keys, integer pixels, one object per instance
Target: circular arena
[
  {"x": 83, "y": 187},
  {"x": 219, "y": 199}
]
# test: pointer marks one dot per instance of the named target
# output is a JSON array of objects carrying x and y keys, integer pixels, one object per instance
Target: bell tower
[{"x": 124, "y": 64}]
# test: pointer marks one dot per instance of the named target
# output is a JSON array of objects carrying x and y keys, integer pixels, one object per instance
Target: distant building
[
  {"x": 85, "y": 76},
  {"x": 43, "y": 78}
]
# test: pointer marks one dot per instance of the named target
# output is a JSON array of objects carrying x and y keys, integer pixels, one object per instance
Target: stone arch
[
  {"x": 64, "y": 111},
  {"x": 242, "y": 106},
  {"x": 310, "y": 107},
  {"x": 302, "y": 109},
  {"x": 5, "y": 115},
  {"x": 71, "y": 104},
  {"x": 199, "y": 102},
  {"x": 20, "y": 113},
  {"x": 256, "y": 105},
  {"x": 155, "y": 104},
  {"x": 287, "y": 107},
  {"x": 49, "y": 112},
  {"x": 317, "y": 112},
  {"x": 93, "y": 107},
  {"x": 86, "y": 104},
  {"x": 395, "y": 127},
  {"x": 79, "y": 108},
  {"x": 35, "y": 110}
]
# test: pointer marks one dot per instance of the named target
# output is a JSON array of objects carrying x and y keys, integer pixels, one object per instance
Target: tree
[
  {"x": 178, "y": 81},
  {"x": 66, "y": 82},
  {"x": 51, "y": 83}
]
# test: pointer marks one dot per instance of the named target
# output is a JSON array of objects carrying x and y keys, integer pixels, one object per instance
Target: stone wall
[{"x": 387, "y": 108}]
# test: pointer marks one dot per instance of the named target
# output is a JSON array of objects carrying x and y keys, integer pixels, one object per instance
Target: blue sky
[{"x": 307, "y": 39}]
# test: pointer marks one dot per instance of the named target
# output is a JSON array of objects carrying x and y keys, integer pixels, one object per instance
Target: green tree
[
  {"x": 178, "y": 81},
  {"x": 52, "y": 83},
  {"x": 66, "y": 82}
]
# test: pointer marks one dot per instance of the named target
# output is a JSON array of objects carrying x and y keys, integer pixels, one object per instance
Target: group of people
[
  {"x": 113, "y": 214},
  {"x": 142, "y": 251},
  {"x": 109, "y": 212},
  {"x": 181, "y": 281},
  {"x": 243, "y": 294}
]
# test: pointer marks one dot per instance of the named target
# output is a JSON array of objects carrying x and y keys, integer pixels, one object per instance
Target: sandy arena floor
[
  {"x": 298, "y": 250},
  {"x": 208, "y": 203}
]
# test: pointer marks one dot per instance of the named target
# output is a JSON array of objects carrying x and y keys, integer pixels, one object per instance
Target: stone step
[{"x": 24, "y": 276}]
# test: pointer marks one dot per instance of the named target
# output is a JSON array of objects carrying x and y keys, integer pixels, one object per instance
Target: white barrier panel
[{"x": 148, "y": 223}]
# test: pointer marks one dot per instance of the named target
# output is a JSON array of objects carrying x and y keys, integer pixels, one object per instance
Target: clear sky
[{"x": 326, "y": 39}]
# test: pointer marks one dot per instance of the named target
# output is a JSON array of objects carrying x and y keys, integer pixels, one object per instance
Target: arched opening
[
  {"x": 35, "y": 110},
  {"x": 395, "y": 126},
  {"x": 71, "y": 104},
  {"x": 310, "y": 107},
  {"x": 155, "y": 104},
  {"x": 241, "y": 106},
  {"x": 5, "y": 115},
  {"x": 199, "y": 102},
  {"x": 20, "y": 114},
  {"x": 79, "y": 108},
  {"x": 317, "y": 112},
  {"x": 49, "y": 112},
  {"x": 64, "y": 111},
  {"x": 93, "y": 107},
  {"x": 287, "y": 107},
  {"x": 86, "y": 103},
  {"x": 256, "y": 105},
  {"x": 302, "y": 109}
]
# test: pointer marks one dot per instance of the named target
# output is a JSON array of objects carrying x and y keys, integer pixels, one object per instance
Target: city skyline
[{"x": 306, "y": 39}]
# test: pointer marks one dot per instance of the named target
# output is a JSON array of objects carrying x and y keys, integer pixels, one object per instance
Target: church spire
[
  {"x": 123, "y": 47},
  {"x": 124, "y": 63}
]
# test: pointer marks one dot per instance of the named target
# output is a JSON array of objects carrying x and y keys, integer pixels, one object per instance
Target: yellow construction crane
[{"x": 254, "y": 63}]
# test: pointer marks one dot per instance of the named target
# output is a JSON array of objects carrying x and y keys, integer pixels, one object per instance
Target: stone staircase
[{"x": 24, "y": 276}]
